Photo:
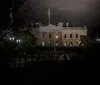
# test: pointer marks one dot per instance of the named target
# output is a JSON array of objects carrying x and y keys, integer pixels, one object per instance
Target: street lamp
[
  {"x": 18, "y": 41},
  {"x": 12, "y": 38},
  {"x": 98, "y": 39},
  {"x": 56, "y": 36}
]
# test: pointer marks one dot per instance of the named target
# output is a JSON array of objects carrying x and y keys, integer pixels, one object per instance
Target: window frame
[
  {"x": 76, "y": 35},
  {"x": 71, "y": 36},
  {"x": 42, "y": 35},
  {"x": 49, "y": 35},
  {"x": 57, "y": 36},
  {"x": 65, "y": 35}
]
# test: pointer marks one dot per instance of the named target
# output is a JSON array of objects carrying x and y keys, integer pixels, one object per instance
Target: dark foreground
[
  {"x": 16, "y": 58},
  {"x": 46, "y": 57}
]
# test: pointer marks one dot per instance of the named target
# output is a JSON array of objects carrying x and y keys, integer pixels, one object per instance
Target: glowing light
[
  {"x": 18, "y": 41},
  {"x": 65, "y": 44},
  {"x": 98, "y": 39},
  {"x": 43, "y": 43},
  {"x": 56, "y": 35},
  {"x": 13, "y": 38},
  {"x": 10, "y": 38}
]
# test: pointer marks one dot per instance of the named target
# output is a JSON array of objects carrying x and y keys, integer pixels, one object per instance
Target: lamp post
[
  {"x": 98, "y": 39},
  {"x": 18, "y": 41},
  {"x": 11, "y": 38}
]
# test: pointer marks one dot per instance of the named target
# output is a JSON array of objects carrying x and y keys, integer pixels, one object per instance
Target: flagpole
[{"x": 49, "y": 15}]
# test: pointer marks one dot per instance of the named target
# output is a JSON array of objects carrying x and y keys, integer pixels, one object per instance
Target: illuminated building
[{"x": 52, "y": 35}]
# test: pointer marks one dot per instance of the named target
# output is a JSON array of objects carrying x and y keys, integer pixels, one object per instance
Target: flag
[
  {"x": 49, "y": 15},
  {"x": 49, "y": 12}
]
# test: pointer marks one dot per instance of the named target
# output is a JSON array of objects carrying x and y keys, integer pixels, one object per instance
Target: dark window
[
  {"x": 71, "y": 43},
  {"x": 42, "y": 35},
  {"x": 49, "y": 35},
  {"x": 76, "y": 35},
  {"x": 65, "y": 36},
  {"x": 56, "y": 41},
  {"x": 77, "y": 43},
  {"x": 70, "y": 35}
]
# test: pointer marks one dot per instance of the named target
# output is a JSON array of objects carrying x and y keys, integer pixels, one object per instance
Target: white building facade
[{"x": 52, "y": 35}]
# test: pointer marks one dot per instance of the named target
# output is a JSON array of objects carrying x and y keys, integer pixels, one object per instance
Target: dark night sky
[{"x": 76, "y": 12}]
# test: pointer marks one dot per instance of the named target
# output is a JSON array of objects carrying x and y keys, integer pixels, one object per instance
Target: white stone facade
[{"x": 52, "y": 35}]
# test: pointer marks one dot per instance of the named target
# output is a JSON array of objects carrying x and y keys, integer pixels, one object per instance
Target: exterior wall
[
  {"x": 74, "y": 40},
  {"x": 61, "y": 33}
]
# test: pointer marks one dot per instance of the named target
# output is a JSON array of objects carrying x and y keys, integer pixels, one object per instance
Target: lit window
[
  {"x": 43, "y": 43},
  {"x": 70, "y": 35},
  {"x": 65, "y": 44},
  {"x": 82, "y": 44},
  {"x": 56, "y": 35},
  {"x": 76, "y": 35},
  {"x": 65, "y": 36}
]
